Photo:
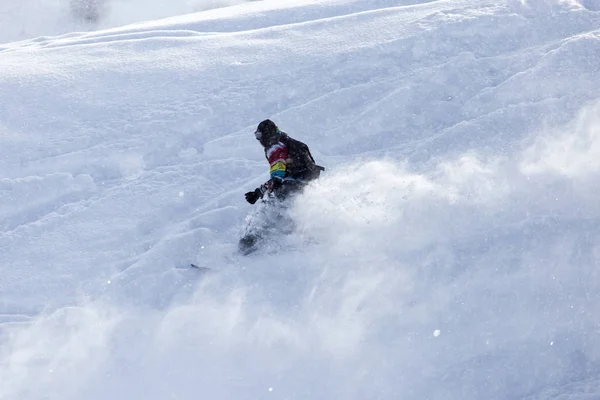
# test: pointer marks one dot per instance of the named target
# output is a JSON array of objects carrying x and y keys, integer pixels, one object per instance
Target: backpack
[{"x": 302, "y": 164}]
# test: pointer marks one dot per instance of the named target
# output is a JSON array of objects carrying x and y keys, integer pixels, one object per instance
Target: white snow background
[
  {"x": 24, "y": 19},
  {"x": 450, "y": 251}
]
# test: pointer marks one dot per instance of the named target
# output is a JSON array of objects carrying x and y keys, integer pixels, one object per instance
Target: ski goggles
[{"x": 258, "y": 134}]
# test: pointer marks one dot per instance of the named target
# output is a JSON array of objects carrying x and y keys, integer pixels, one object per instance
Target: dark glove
[{"x": 252, "y": 197}]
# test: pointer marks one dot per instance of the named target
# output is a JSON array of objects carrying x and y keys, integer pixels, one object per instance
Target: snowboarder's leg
[{"x": 271, "y": 219}]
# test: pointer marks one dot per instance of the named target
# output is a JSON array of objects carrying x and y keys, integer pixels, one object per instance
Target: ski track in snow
[{"x": 450, "y": 250}]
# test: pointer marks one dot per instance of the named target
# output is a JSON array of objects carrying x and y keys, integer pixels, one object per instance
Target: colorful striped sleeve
[{"x": 277, "y": 155}]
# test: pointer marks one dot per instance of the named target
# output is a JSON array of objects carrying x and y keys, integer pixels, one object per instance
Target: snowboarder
[{"x": 291, "y": 168}]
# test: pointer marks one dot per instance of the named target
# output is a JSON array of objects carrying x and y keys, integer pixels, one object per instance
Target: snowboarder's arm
[{"x": 277, "y": 156}]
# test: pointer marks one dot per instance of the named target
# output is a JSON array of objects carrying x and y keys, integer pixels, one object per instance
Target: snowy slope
[
  {"x": 449, "y": 252},
  {"x": 26, "y": 19}
]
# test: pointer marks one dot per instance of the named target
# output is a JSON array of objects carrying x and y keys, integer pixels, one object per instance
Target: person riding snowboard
[
  {"x": 291, "y": 164},
  {"x": 291, "y": 168}
]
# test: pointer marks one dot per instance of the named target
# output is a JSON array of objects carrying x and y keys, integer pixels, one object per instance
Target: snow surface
[
  {"x": 25, "y": 19},
  {"x": 450, "y": 251}
]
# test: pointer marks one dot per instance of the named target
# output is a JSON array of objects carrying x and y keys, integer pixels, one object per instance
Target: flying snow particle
[
  {"x": 436, "y": 333},
  {"x": 181, "y": 194},
  {"x": 270, "y": 389}
]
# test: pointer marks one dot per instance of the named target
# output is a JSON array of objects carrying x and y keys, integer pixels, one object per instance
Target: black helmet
[{"x": 266, "y": 131}]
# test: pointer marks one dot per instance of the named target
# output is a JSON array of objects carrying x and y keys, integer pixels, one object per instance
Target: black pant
[{"x": 288, "y": 189}]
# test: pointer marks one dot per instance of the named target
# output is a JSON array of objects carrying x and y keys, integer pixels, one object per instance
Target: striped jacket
[{"x": 277, "y": 155}]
